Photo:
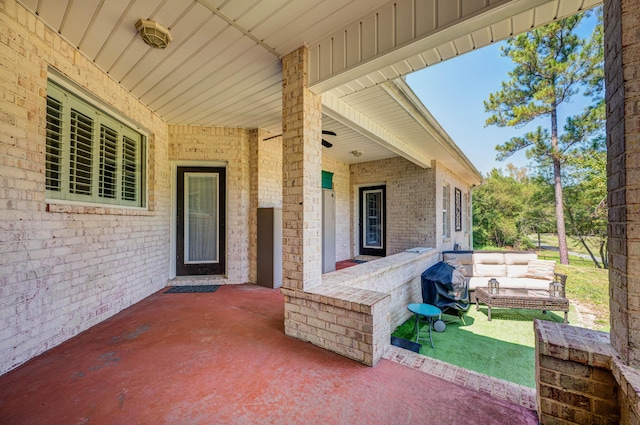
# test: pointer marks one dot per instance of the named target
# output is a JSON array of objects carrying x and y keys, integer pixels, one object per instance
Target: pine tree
[{"x": 552, "y": 64}]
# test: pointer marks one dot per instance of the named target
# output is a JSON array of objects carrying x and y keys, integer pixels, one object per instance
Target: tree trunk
[
  {"x": 575, "y": 232},
  {"x": 557, "y": 186},
  {"x": 604, "y": 256},
  {"x": 593, "y": 257}
]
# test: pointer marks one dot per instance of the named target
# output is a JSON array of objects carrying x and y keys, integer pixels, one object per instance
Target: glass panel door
[
  {"x": 200, "y": 221},
  {"x": 201, "y": 218},
  {"x": 372, "y": 220}
]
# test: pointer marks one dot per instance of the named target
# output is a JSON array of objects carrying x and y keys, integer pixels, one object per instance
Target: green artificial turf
[{"x": 502, "y": 348}]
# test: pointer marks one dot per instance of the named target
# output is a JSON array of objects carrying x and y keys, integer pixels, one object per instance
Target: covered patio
[
  {"x": 223, "y": 358},
  {"x": 243, "y": 97}
]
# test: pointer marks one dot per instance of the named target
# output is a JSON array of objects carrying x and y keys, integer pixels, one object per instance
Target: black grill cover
[{"x": 446, "y": 288}]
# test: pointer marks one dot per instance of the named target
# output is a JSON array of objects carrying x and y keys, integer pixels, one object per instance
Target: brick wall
[
  {"x": 622, "y": 67},
  {"x": 414, "y": 201},
  {"x": 354, "y": 310},
  {"x": 229, "y": 145},
  {"x": 573, "y": 376},
  {"x": 410, "y": 212},
  {"x": 270, "y": 172},
  {"x": 302, "y": 171},
  {"x": 461, "y": 238},
  {"x": 265, "y": 169},
  {"x": 63, "y": 267}
]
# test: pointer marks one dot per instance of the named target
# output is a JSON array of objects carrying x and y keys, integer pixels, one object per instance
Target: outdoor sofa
[{"x": 512, "y": 269}]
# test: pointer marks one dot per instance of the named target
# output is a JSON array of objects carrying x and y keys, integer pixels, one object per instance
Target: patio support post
[
  {"x": 302, "y": 171},
  {"x": 622, "y": 72}
]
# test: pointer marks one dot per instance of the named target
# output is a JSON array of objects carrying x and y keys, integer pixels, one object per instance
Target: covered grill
[{"x": 445, "y": 287}]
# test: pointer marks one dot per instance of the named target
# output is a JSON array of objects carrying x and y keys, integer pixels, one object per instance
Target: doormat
[
  {"x": 406, "y": 344},
  {"x": 359, "y": 261},
  {"x": 190, "y": 289}
]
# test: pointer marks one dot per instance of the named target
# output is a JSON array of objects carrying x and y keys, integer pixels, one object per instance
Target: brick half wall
[
  {"x": 354, "y": 310},
  {"x": 581, "y": 379}
]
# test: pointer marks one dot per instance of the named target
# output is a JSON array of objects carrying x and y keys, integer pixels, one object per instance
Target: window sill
[{"x": 53, "y": 207}]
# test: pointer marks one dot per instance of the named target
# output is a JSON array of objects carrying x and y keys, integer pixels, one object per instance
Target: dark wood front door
[
  {"x": 373, "y": 221},
  {"x": 200, "y": 227}
]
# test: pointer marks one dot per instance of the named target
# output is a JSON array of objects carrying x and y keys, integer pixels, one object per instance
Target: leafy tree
[
  {"x": 586, "y": 202},
  {"x": 538, "y": 211},
  {"x": 498, "y": 206},
  {"x": 552, "y": 64}
]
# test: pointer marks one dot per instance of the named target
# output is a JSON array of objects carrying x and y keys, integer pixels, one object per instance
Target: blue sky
[{"x": 454, "y": 91}]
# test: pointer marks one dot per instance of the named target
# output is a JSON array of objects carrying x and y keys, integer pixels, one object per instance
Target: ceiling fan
[
  {"x": 325, "y": 143},
  {"x": 330, "y": 133}
]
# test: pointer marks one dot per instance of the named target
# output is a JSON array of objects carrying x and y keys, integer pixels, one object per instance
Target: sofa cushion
[
  {"x": 518, "y": 263},
  {"x": 541, "y": 269},
  {"x": 521, "y": 258},
  {"x": 488, "y": 258},
  {"x": 488, "y": 264},
  {"x": 489, "y": 270},
  {"x": 508, "y": 282}
]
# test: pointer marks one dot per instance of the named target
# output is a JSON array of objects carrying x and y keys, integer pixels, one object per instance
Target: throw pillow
[{"x": 541, "y": 269}]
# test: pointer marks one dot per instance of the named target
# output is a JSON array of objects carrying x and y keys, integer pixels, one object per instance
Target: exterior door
[
  {"x": 200, "y": 227},
  {"x": 373, "y": 221}
]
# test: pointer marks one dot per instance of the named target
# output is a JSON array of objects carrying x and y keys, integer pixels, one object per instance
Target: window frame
[
  {"x": 118, "y": 173},
  {"x": 446, "y": 211}
]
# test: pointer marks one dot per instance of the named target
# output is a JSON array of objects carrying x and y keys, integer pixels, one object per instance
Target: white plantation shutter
[
  {"x": 54, "y": 144},
  {"x": 80, "y": 153},
  {"x": 90, "y": 156},
  {"x": 108, "y": 162},
  {"x": 131, "y": 153}
]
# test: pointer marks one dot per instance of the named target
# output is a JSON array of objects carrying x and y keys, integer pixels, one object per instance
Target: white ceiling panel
[
  {"x": 77, "y": 20},
  {"x": 200, "y": 49},
  {"x": 481, "y": 37},
  {"x": 260, "y": 14},
  {"x": 124, "y": 33},
  {"x": 223, "y": 66},
  {"x": 501, "y": 30},
  {"x": 545, "y": 13},
  {"x": 103, "y": 22},
  {"x": 211, "y": 54},
  {"x": 568, "y": 7},
  {"x": 523, "y": 22},
  {"x": 53, "y": 10},
  {"x": 184, "y": 39}
]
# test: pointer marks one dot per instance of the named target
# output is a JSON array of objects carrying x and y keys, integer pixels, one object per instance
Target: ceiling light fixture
[
  {"x": 154, "y": 34},
  {"x": 357, "y": 154}
]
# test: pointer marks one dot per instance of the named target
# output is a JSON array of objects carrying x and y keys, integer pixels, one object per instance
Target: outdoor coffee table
[{"x": 531, "y": 299}]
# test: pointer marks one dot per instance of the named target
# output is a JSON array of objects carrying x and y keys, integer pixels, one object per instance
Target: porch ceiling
[{"x": 223, "y": 67}]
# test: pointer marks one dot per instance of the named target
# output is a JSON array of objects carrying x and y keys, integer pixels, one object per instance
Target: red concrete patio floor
[{"x": 223, "y": 358}]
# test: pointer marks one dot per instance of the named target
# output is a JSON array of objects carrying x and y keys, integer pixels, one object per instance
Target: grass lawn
[
  {"x": 504, "y": 347},
  {"x": 587, "y": 289}
]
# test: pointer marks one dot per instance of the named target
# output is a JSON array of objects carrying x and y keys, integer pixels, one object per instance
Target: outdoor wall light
[
  {"x": 357, "y": 154},
  {"x": 154, "y": 34}
]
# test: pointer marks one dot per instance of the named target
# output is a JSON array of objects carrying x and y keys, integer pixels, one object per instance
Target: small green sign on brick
[{"x": 327, "y": 180}]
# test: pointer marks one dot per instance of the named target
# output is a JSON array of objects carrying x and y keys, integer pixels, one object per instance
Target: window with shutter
[{"x": 91, "y": 156}]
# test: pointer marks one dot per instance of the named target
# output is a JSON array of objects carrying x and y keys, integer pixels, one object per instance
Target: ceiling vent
[{"x": 154, "y": 34}]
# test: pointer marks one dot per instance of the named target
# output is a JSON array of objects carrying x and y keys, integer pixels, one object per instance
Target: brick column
[
  {"x": 622, "y": 71},
  {"x": 301, "y": 194}
]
